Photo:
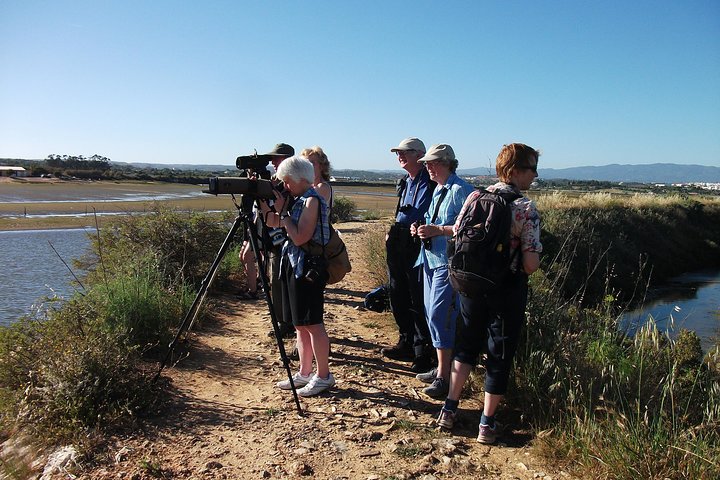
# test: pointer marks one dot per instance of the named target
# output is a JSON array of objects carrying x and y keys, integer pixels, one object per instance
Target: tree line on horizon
[{"x": 99, "y": 167}]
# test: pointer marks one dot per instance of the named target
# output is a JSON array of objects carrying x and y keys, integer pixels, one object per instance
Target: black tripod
[{"x": 244, "y": 219}]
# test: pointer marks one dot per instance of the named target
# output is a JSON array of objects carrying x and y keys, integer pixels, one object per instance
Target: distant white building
[{"x": 12, "y": 171}]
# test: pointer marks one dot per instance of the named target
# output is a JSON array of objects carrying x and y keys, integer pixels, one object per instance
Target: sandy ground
[{"x": 223, "y": 418}]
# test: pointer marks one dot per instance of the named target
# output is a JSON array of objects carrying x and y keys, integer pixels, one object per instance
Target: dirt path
[{"x": 226, "y": 420}]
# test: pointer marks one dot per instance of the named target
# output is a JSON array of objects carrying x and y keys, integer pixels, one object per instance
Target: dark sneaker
[
  {"x": 421, "y": 364},
  {"x": 489, "y": 435},
  {"x": 438, "y": 389},
  {"x": 248, "y": 295},
  {"x": 446, "y": 419},
  {"x": 427, "y": 377},
  {"x": 401, "y": 351}
]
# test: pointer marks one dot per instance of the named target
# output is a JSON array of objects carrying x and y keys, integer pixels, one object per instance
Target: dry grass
[{"x": 608, "y": 200}]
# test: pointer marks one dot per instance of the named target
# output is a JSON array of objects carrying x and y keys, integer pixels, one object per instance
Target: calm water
[
  {"x": 690, "y": 301},
  {"x": 31, "y": 270},
  {"x": 43, "y": 194}
]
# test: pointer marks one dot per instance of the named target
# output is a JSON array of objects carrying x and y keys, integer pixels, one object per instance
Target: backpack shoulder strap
[{"x": 509, "y": 197}]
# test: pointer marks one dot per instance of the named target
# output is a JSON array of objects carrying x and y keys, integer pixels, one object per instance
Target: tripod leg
[
  {"x": 200, "y": 297},
  {"x": 276, "y": 327}
]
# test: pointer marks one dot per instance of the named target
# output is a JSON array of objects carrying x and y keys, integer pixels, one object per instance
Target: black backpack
[
  {"x": 479, "y": 255},
  {"x": 377, "y": 300}
]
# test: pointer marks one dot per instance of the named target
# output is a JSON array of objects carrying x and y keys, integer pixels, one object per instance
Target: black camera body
[
  {"x": 253, "y": 162},
  {"x": 427, "y": 242},
  {"x": 315, "y": 268}
]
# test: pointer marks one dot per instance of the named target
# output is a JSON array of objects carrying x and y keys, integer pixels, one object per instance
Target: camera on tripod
[
  {"x": 241, "y": 185},
  {"x": 255, "y": 179}
]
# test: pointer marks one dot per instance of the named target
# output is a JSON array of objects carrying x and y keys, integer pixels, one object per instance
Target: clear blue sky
[{"x": 589, "y": 83}]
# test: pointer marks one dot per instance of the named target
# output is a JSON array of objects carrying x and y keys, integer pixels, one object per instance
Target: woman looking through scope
[{"x": 303, "y": 280}]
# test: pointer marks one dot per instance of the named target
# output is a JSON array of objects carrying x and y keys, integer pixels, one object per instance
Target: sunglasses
[
  {"x": 402, "y": 153},
  {"x": 532, "y": 167}
]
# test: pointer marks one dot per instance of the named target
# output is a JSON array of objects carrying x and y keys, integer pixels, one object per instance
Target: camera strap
[
  {"x": 322, "y": 234},
  {"x": 402, "y": 184},
  {"x": 437, "y": 205}
]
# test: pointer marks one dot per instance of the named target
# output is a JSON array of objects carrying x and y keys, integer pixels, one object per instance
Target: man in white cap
[{"x": 405, "y": 289}]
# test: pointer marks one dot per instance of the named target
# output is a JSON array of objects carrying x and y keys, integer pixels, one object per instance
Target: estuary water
[
  {"x": 690, "y": 301},
  {"x": 31, "y": 270}
]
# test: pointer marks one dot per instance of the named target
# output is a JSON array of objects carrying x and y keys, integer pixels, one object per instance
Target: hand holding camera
[{"x": 419, "y": 229}]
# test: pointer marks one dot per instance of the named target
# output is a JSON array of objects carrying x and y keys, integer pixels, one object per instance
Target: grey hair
[{"x": 298, "y": 168}]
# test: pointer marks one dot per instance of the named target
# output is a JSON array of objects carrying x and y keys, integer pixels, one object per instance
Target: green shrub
[
  {"x": 183, "y": 244},
  {"x": 79, "y": 369},
  {"x": 616, "y": 407},
  {"x": 624, "y": 242},
  {"x": 342, "y": 210},
  {"x": 370, "y": 215},
  {"x": 73, "y": 375},
  {"x": 137, "y": 303}
]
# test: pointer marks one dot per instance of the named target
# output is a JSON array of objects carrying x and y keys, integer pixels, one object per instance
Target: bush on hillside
[
  {"x": 79, "y": 369},
  {"x": 342, "y": 210},
  {"x": 67, "y": 375},
  {"x": 138, "y": 303},
  {"x": 617, "y": 246},
  {"x": 183, "y": 244}
]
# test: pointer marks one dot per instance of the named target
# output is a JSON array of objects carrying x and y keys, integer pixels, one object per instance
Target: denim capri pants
[{"x": 441, "y": 306}]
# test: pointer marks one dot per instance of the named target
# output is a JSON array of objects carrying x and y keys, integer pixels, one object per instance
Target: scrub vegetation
[{"x": 83, "y": 366}]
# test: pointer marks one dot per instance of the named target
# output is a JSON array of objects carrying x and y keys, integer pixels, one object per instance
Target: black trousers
[
  {"x": 406, "y": 288},
  {"x": 492, "y": 324}
]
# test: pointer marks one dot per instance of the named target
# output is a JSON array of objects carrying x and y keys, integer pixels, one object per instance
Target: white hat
[
  {"x": 439, "y": 152},
  {"x": 411, "y": 143}
]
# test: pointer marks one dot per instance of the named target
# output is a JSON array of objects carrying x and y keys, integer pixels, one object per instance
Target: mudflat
[{"x": 35, "y": 203}]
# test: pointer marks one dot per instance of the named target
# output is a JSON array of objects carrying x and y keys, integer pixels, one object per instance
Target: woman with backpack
[
  {"x": 441, "y": 306},
  {"x": 491, "y": 323}
]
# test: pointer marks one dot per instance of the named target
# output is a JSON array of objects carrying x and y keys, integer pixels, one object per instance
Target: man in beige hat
[{"x": 405, "y": 289}]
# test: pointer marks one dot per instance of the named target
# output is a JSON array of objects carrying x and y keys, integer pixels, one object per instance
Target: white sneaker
[
  {"x": 298, "y": 379},
  {"x": 317, "y": 385}
]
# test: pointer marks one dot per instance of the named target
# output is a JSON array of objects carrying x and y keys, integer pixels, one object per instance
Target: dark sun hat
[{"x": 282, "y": 150}]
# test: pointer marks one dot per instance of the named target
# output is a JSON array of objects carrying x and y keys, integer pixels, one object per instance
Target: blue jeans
[{"x": 441, "y": 306}]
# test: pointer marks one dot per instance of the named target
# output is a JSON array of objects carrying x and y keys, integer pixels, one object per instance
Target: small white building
[{"x": 12, "y": 171}]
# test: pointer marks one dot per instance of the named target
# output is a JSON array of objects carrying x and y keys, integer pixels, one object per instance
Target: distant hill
[{"x": 645, "y": 173}]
